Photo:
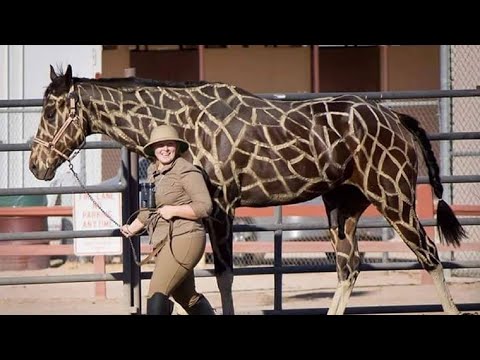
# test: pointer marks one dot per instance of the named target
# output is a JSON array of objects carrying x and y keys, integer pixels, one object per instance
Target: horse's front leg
[{"x": 220, "y": 232}]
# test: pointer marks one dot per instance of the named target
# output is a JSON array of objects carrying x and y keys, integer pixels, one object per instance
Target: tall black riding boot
[
  {"x": 202, "y": 307},
  {"x": 159, "y": 304}
]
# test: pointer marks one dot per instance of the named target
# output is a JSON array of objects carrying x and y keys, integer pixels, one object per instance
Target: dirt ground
[{"x": 252, "y": 294}]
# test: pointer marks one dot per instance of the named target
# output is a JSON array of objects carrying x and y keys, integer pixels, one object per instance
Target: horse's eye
[{"x": 50, "y": 114}]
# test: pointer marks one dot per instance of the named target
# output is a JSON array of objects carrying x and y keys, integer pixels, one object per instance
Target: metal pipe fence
[{"x": 128, "y": 176}]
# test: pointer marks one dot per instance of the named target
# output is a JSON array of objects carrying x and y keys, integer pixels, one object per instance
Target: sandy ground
[{"x": 252, "y": 294}]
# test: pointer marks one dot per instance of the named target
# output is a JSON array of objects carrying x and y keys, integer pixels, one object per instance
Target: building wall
[
  {"x": 172, "y": 65},
  {"x": 115, "y": 61},
  {"x": 413, "y": 67},
  {"x": 349, "y": 69},
  {"x": 285, "y": 69},
  {"x": 259, "y": 69}
]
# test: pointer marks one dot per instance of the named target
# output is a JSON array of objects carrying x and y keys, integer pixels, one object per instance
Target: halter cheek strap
[{"x": 72, "y": 116}]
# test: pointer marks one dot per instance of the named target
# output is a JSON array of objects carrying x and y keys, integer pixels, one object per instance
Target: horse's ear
[
  {"x": 53, "y": 74},
  {"x": 68, "y": 76}
]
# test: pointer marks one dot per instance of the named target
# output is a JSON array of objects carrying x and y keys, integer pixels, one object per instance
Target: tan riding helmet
[{"x": 164, "y": 133}]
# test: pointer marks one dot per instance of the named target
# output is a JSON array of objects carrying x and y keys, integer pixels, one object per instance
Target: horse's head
[{"x": 61, "y": 129}]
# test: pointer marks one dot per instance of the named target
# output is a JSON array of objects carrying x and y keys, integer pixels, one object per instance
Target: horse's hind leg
[
  {"x": 401, "y": 214},
  {"x": 344, "y": 207}
]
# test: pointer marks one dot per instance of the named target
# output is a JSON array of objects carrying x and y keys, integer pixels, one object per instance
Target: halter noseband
[{"x": 72, "y": 116}]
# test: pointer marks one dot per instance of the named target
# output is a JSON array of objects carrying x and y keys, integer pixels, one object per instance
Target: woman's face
[{"x": 165, "y": 151}]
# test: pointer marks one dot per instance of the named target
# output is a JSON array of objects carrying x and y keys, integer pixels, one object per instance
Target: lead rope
[{"x": 135, "y": 257}]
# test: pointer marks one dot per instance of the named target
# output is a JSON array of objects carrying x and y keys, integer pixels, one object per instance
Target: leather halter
[{"x": 72, "y": 116}]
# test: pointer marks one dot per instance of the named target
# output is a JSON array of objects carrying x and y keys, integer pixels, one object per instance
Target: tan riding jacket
[{"x": 178, "y": 183}]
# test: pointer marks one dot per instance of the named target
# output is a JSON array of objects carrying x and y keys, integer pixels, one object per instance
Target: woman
[{"x": 175, "y": 226}]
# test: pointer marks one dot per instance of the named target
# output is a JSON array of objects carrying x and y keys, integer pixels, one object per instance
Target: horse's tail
[{"x": 449, "y": 227}]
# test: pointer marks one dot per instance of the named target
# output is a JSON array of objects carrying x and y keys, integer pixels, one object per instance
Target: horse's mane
[
  {"x": 58, "y": 85},
  {"x": 135, "y": 81}
]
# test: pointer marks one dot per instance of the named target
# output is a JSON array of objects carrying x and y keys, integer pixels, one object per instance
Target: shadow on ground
[{"x": 323, "y": 295}]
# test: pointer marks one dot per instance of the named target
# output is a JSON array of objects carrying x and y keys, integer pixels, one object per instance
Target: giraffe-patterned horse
[{"x": 258, "y": 152}]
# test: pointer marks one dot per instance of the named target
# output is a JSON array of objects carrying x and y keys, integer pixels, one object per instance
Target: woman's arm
[{"x": 183, "y": 211}]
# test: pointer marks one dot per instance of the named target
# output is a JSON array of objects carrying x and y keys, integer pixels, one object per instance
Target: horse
[{"x": 258, "y": 152}]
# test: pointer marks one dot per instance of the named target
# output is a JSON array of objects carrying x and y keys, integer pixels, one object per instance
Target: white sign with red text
[{"x": 87, "y": 216}]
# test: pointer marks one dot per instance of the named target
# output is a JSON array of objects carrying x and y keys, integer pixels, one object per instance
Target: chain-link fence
[{"x": 465, "y": 157}]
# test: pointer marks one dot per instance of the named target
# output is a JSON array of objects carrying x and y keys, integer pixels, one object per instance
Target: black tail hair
[{"x": 451, "y": 231}]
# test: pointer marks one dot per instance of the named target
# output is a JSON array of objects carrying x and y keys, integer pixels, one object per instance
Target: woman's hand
[
  {"x": 134, "y": 228},
  {"x": 125, "y": 230},
  {"x": 167, "y": 212}
]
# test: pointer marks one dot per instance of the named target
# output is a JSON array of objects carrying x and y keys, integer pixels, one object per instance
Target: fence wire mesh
[{"x": 465, "y": 74}]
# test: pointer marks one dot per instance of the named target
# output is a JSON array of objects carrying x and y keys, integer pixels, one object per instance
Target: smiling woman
[{"x": 174, "y": 224}]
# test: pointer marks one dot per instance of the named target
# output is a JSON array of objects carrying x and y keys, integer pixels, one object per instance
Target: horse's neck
[{"x": 127, "y": 116}]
